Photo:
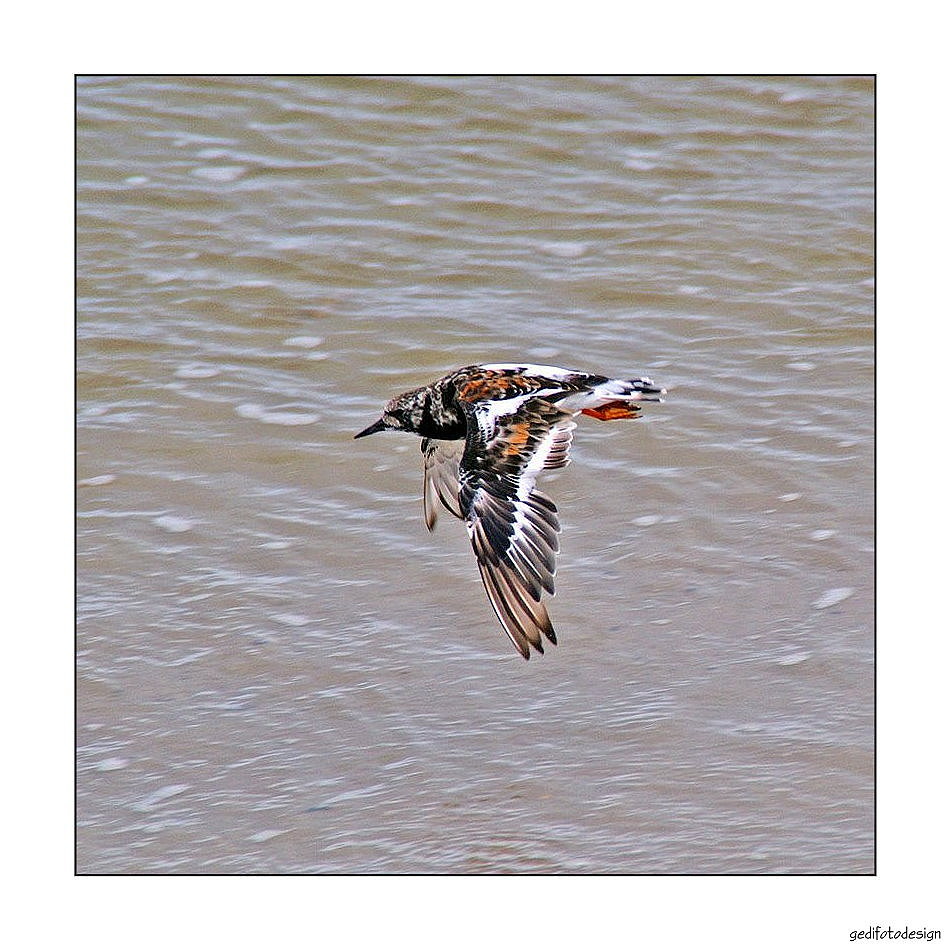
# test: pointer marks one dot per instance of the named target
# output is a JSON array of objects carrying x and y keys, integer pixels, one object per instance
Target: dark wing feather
[
  {"x": 441, "y": 479},
  {"x": 513, "y": 526}
]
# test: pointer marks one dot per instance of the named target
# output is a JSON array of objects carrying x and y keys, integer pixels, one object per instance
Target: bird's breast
[{"x": 445, "y": 429}]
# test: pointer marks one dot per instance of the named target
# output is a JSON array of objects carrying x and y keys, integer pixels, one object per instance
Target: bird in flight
[{"x": 487, "y": 432}]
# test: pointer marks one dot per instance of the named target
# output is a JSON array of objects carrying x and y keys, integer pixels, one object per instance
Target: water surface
[{"x": 280, "y": 670}]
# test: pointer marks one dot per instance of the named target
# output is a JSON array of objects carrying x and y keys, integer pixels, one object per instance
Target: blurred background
[{"x": 279, "y": 669}]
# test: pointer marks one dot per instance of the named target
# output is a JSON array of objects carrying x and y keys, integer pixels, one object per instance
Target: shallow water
[{"x": 280, "y": 670}]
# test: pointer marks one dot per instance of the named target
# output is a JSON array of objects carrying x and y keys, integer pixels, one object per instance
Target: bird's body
[{"x": 516, "y": 420}]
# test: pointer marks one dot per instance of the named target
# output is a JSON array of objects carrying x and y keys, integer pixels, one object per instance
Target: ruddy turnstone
[{"x": 516, "y": 420}]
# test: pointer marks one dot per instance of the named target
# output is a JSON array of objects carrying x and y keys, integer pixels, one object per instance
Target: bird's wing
[
  {"x": 441, "y": 480},
  {"x": 512, "y": 526}
]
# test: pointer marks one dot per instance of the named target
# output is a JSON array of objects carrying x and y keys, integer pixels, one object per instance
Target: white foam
[
  {"x": 261, "y": 836},
  {"x": 793, "y": 659},
  {"x": 97, "y": 480},
  {"x": 251, "y": 410},
  {"x": 566, "y": 249},
  {"x": 196, "y": 371},
  {"x": 152, "y": 801},
  {"x": 833, "y": 596},
  {"x": 173, "y": 524},
  {"x": 306, "y": 342},
  {"x": 292, "y": 620},
  {"x": 221, "y": 173}
]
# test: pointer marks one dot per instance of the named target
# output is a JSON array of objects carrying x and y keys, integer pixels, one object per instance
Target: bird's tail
[{"x": 619, "y": 398}]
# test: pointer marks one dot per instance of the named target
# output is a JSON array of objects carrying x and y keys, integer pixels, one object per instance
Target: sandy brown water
[{"x": 279, "y": 669}]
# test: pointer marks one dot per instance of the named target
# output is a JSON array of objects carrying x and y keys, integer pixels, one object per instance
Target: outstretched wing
[
  {"x": 441, "y": 479},
  {"x": 513, "y": 526}
]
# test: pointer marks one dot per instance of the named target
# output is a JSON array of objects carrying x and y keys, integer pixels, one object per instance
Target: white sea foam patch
[
  {"x": 261, "y": 836},
  {"x": 305, "y": 342},
  {"x": 219, "y": 172},
  {"x": 544, "y": 352},
  {"x": 251, "y": 410},
  {"x": 196, "y": 371},
  {"x": 173, "y": 524},
  {"x": 640, "y": 160},
  {"x": 152, "y": 801},
  {"x": 292, "y": 620},
  {"x": 833, "y": 596},
  {"x": 96, "y": 480},
  {"x": 566, "y": 249},
  {"x": 793, "y": 659}
]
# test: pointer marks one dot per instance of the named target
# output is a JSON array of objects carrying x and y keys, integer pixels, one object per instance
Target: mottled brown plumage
[{"x": 517, "y": 420}]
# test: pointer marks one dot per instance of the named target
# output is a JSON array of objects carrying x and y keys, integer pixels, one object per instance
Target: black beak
[{"x": 377, "y": 426}]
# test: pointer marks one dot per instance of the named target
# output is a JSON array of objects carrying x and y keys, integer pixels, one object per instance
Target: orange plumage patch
[
  {"x": 494, "y": 385},
  {"x": 517, "y": 438},
  {"x": 613, "y": 410}
]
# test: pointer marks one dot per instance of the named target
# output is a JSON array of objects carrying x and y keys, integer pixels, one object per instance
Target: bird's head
[{"x": 403, "y": 414}]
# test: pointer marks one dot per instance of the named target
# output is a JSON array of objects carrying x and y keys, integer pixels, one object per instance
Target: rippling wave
[{"x": 279, "y": 669}]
